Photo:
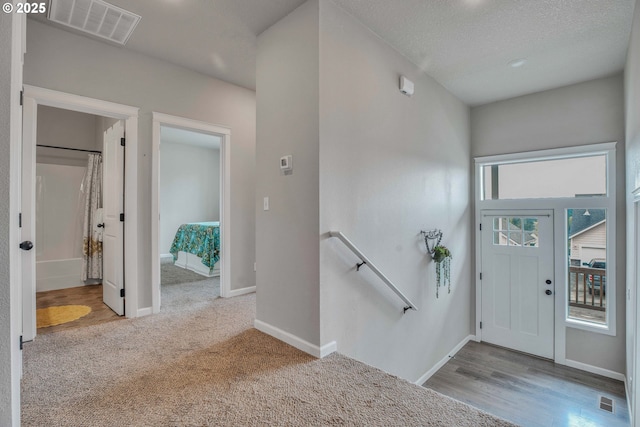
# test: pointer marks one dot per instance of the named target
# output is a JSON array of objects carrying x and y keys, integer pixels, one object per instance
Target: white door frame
[
  {"x": 34, "y": 96},
  {"x": 160, "y": 119},
  {"x": 633, "y": 298},
  {"x": 14, "y": 364}
]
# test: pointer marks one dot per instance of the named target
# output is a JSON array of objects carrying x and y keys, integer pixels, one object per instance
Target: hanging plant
[{"x": 442, "y": 257}]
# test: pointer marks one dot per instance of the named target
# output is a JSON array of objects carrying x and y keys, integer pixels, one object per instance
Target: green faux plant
[
  {"x": 441, "y": 252},
  {"x": 442, "y": 257}
]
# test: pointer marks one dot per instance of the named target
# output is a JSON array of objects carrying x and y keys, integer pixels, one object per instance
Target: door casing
[
  {"x": 34, "y": 96},
  {"x": 160, "y": 120}
]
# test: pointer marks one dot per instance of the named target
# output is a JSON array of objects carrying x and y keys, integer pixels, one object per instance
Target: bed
[{"x": 196, "y": 246}]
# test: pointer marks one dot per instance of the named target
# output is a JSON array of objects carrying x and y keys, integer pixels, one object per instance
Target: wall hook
[{"x": 430, "y": 237}]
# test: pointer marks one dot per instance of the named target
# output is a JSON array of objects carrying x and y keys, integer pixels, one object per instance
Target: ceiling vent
[{"x": 95, "y": 17}]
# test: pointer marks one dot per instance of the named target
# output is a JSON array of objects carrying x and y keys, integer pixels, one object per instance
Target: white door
[
  {"x": 517, "y": 281},
  {"x": 113, "y": 207}
]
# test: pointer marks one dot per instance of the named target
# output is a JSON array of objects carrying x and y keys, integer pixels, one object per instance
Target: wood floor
[
  {"x": 527, "y": 390},
  {"x": 84, "y": 295}
]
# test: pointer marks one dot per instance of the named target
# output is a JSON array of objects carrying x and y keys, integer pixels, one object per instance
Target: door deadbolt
[
  {"x": 26, "y": 245},
  {"x": 548, "y": 292},
  {"x": 548, "y": 282}
]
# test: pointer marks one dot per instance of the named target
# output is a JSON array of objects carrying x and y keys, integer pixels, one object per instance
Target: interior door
[
  {"x": 517, "y": 281},
  {"x": 113, "y": 206}
]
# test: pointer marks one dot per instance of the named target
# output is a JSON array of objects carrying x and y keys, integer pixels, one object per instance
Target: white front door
[
  {"x": 517, "y": 281},
  {"x": 113, "y": 206}
]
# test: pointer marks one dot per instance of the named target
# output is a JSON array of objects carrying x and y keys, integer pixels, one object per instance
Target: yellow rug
[{"x": 60, "y": 314}]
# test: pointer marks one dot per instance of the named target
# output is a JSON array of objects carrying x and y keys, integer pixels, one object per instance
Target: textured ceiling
[
  {"x": 467, "y": 44},
  {"x": 464, "y": 44}
]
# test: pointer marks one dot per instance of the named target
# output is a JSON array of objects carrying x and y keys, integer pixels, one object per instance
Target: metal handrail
[{"x": 348, "y": 243}]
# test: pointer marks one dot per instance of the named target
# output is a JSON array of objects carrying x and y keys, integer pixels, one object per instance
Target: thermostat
[{"x": 286, "y": 163}]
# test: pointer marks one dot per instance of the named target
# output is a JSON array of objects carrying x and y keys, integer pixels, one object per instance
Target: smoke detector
[{"x": 95, "y": 17}]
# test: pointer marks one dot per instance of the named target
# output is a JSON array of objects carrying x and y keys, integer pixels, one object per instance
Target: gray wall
[
  {"x": 287, "y": 250},
  {"x": 584, "y": 113},
  {"x": 632, "y": 111},
  {"x": 390, "y": 166},
  {"x": 189, "y": 187},
  {"x": 368, "y": 161},
  {"x": 64, "y": 128},
  {"x": 67, "y": 62}
]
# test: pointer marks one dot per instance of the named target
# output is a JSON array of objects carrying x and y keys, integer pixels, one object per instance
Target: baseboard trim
[
  {"x": 297, "y": 342},
  {"x": 444, "y": 360},
  {"x": 329, "y": 348},
  {"x": 594, "y": 369},
  {"x": 144, "y": 311},
  {"x": 242, "y": 291}
]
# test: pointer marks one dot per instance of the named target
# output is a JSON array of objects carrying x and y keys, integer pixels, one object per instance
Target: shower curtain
[{"x": 92, "y": 235}]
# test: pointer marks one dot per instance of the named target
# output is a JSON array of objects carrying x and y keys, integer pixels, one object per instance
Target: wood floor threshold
[{"x": 529, "y": 390}]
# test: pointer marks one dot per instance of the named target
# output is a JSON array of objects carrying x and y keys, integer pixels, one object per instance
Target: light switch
[{"x": 266, "y": 203}]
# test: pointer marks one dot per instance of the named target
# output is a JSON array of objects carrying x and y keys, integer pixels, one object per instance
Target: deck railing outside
[{"x": 587, "y": 288}]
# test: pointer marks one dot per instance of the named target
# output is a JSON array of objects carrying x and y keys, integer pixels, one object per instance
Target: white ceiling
[{"x": 464, "y": 44}]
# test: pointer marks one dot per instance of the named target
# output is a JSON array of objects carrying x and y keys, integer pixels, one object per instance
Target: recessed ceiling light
[{"x": 517, "y": 63}]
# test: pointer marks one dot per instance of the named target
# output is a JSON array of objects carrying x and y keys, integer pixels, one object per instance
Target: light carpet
[{"x": 201, "y": 363}]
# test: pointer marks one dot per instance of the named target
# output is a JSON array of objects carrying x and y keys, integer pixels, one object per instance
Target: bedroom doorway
[
  {"x": 189, "y": 220},
  {"x": 190, "y": 201}
]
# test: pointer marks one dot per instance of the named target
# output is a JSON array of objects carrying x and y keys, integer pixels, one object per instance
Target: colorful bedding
[{"x": 201, "y": 239}]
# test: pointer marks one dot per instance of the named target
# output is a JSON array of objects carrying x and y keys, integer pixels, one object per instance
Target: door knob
[
  {"x": 26, "y": 245},
  {"x": 548, "y": 292},
  {"x": 100, "y": 225},
  {"x": 548, "y": 282}
]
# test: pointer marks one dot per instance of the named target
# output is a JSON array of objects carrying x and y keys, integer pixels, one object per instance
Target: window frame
[{"x": 559, "y": 206}]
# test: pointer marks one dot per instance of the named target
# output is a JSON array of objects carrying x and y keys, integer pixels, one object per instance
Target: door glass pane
[
  {"x": 515, "y": 231},
  {"x": 587, "y": 281}
]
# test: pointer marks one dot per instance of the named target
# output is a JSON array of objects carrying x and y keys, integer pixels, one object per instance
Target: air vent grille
[
  {"x": 95, "y": 17},
  {"x": 606, "y": 404}
]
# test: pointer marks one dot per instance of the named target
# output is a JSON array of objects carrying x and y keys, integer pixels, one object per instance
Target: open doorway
[
  {"x": 118, "y": 119},
  {"x": 78, "y": 246},
  {"x": 209, "y": 263},
  {"x": 189, "y": 222}
]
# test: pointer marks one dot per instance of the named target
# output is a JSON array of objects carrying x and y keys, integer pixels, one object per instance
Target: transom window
[{"x": 541, "y": 179}]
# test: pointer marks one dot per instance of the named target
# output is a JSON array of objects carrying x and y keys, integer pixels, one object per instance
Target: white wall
[
  {"x": 189, "y": 188},
  {"x": 368, "y": 161},
  {"x": 287, "y": 252},
  {"x": 580, "y": 114},
  {"x": 390, "y": 166},
  {"x": 59, "y": 211},
  {"x": 62, "y": 61},
  {"x": 64, "y": 128},
  {"x": 632, "y": 111}
]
